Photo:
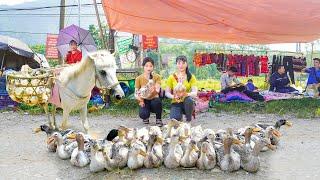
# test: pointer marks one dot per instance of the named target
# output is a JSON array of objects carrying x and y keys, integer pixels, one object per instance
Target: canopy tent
[
  {"x": 14, "y": 53},
  {"x": 223, "y": 21}
]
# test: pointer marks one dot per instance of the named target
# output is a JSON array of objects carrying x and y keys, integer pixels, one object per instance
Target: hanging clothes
[
  {"x": 257, "y": 67},
  {"x": 264, "y": 64},
  {"x": 197, "y": 59},
  {"x": 288, "y": 65},
  {"x": 299, "y": 63},
  {"x": 251, "y": 65},
  {"x": 231, "y": 60}
]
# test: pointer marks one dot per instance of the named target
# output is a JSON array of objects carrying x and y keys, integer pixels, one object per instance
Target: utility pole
[
  {"x": 100, "y": 26},
  {"x": 62, "y": 13},
  {"x": 111, "y": 40},
  {"x": 79, "y": 12}
]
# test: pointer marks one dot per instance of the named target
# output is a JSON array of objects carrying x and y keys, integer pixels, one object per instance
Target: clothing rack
[{"x": 249, "y": 51}]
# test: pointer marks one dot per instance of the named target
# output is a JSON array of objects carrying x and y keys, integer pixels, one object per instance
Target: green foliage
[
  {"x": 302, "y": 108},
  {"x": 94, "y": 31},
  {"x": 39, "y": 48},
  {"x": 53, "y": 62}
]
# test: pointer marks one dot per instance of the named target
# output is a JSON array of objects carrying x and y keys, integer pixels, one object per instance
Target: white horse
[{"x": 76, "y": 82}]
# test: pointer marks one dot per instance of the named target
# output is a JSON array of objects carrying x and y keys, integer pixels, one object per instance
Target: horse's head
[{"x": 105, "y": 66}]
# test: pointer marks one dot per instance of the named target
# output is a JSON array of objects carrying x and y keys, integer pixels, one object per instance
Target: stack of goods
[
  {"x": 29, "y": 86},
  {"x": 202, "y": 102},
  {"x": 5, "y": 100},
  {"x": 247, "y": 65},
  {"x": 175, "y": 145}
]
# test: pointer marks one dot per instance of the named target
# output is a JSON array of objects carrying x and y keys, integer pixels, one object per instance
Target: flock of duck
[{"x": 176, "y": 144}]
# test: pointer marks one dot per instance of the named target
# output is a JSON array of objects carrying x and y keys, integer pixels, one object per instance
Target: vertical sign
[
  {"x": 149, "y": 42},
  {"x": 51, "y": 46}
]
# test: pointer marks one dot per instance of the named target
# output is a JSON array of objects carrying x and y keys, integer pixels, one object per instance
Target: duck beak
[
  {"x": 159, "y": 140},
  {"x": 256, "y": 130},
  {"x": 195, "y": 148},
  {"x": 272, "y": 147},
  {"x": 288, "y": 123},
  {"x": 182, "y": 139},
  {"x": 71, "y": 136},
  {"x": 276, "y": 133},
  {"x": 37, "y": 130},
  {"x": 121, "y": 133},
  {"x": 142, "y": 153},
  {"x": 236, "y": 141},
  {"x": 50, "y": 140}
]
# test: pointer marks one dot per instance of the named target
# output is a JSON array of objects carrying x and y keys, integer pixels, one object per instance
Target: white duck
[
  {"x": 154, "y": 156},
  {"x": 207, "y": 159},
  {"x": 137, "y": 154},
  {"x": 172, "y": 160},
  {"x": 196, "y": 133},
  {"x": 80, "y": 155},
  {"x": 98, "y": 161},
  {"x": 51, "y": 143},
  {"x": 118, "y": 157},
  {"x": 142, "y": 134},
  {"x": 190, "y": 156},
  {"x": 63, "y": 150},
  {"x": 267, "y": 134},
  {"x": 155, "y": 130},
  {"x": 228, "y": 159},
  {"x": 169, "y": 129}
]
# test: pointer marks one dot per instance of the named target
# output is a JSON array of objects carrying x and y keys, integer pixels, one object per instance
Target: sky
[
  {"x": 44, "y": 26},
  {"x": 14, "y": 2}
]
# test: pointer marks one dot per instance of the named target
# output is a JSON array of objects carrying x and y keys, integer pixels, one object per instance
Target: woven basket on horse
[{"x": 31, "y": 89}]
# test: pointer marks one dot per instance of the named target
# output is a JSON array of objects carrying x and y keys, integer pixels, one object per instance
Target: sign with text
[
  {"x": 123, "y": 45},
  {"x": 149, "y": 42},
  {"x": 51, "y": 46}
]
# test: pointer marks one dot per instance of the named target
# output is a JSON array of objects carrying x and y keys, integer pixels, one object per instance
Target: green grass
[{"x": 301, "y": 108}]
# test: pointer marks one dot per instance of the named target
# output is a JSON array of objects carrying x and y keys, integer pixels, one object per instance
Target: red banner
[
  {"x": 51, "y": 46},
  {"x": 149, "y": 42}
]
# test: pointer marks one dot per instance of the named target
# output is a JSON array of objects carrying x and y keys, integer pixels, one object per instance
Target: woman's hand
[
  {"x": 153, "y": 90},
  {"x": 141, "y": 103}
]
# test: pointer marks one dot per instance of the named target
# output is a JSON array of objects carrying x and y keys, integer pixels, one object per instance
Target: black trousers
[
  {"x": 151, "y": 106},
  {"x": 178, "y": 109},
  {"x": 288, "y": 65}
]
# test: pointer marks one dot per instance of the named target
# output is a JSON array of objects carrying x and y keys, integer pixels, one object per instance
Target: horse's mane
[
  {"x": 72, "y": 71},
  {"x": 75, "y": 70}
]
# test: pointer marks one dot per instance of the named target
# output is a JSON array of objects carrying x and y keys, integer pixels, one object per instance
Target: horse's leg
[
  {"x": 54, "y": 110},
  {"x": 84, "y": 119},
  {"x": 65, "y": 118},
  {"x": 46, "y": 110}
]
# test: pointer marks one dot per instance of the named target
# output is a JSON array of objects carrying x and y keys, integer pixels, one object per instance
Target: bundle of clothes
[{"x": 247, "y": 65}]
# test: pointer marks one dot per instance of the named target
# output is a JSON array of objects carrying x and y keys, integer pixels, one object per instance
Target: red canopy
[{"x": 224, "y": 21}]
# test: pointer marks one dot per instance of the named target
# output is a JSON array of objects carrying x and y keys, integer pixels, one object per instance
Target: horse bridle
[{"x": 108, "y": 87}]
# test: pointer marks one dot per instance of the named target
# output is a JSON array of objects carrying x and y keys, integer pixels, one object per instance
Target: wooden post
[
  {"x": 312, "y": 50},
  {"x": 100, "y": 26},
  {"x": 111, "y": 40},
  {"x": 62, "y": 14}
]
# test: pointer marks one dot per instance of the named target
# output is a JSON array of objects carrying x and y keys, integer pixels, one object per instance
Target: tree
[
  {"x": 39, "y": 48},
  {"x": 94, "y": 31}
]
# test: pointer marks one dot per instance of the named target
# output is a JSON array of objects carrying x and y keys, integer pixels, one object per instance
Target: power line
[
  {"x": 40, "y": 33},
  {"x": 45, "y": 14},
  {"x": 24, "y": 32},
  {"x": 84, "y": 16},
  {"x": 45, "y": 7}
]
